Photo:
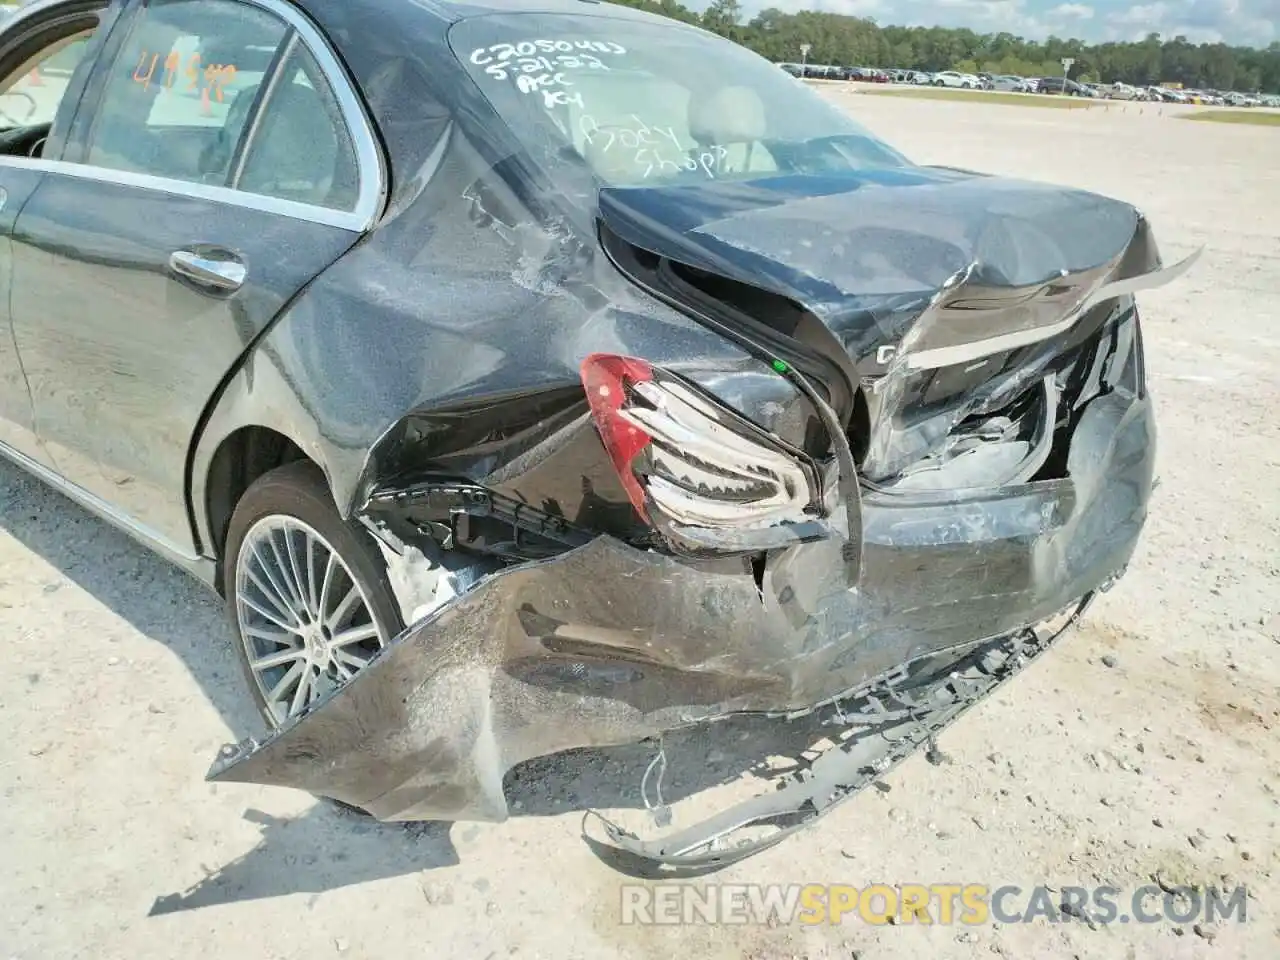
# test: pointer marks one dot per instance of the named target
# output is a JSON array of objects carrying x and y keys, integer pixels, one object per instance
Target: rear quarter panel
[{"x": 455, "y": 312}]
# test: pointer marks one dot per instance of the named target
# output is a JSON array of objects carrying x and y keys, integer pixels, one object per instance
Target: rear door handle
[{"x": 217, "y": 273}]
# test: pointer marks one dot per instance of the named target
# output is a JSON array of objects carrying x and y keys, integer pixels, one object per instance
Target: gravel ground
[{"x": 1143, "y": 746}]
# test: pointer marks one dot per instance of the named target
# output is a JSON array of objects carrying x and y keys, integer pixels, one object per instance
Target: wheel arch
[
  {"x": 244, "y": 455},
  {"x": 293, "y": 395},
  {"x": 255, "y": 424}
]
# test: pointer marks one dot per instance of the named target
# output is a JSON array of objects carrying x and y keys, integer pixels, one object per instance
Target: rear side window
[
  {"x": 182, "y": 88},
  {"x": 181, "y": 99},
  {"x": 302, "y": 150}
]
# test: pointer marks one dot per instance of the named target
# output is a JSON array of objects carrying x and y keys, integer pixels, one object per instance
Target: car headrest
[
  {"x": 730, "y": 115},
  {"x": 215, "y": 158}
]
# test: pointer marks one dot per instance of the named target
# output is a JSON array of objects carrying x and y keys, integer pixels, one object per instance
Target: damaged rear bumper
[{"x": 606, "y": 644}]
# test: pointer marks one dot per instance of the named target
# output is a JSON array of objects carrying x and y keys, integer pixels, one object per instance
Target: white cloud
[
  {"x": 1071, "y": 11},
  {"x": 852, "y": 8},
  {"x": 1141, "y": 15},
  {"x": 1251, "y": 22}
]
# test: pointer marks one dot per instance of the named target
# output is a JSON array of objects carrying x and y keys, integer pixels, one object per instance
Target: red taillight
[
  {"x": 608, "y": 379},
  {"x": 689, "y": 463}
]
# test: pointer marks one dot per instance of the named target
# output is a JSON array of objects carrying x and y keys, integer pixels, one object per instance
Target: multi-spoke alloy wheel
[
  {"x": 307, "y": 591},
  {"x": 305, "y": 622}
]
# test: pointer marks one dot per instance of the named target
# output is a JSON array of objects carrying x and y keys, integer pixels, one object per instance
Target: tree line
[{"x": 854, "y": 41}]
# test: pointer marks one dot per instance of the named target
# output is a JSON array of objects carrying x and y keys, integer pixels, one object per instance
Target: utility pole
[{"x": 804, "y": 59}]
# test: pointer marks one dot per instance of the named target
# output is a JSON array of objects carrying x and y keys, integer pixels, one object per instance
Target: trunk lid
[
  {"x": 854, "y": 248},
  {"x": 905, "y": 293}
]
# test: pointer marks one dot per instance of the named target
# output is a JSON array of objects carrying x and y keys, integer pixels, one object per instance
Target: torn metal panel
[
  {"x": 606, "y": 644},
  {"x": 424, "y": 577},
  {"x": 988, "y": 424}
]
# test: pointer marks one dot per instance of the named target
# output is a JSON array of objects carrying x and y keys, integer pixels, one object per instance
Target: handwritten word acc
[
  {"x": 542, "y": 66},
  {"x": 649, "y": 144},
  {"x": 210, "y": 80}
]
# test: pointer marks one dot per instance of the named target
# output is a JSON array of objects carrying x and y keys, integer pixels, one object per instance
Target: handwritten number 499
[{"x": 209, "y": 81}]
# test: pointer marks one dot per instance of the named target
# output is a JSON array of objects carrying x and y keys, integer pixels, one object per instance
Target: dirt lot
[{"x": 120, "y": 686}]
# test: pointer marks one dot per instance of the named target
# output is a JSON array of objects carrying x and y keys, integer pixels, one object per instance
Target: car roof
[{"x": 451, "y": 11}]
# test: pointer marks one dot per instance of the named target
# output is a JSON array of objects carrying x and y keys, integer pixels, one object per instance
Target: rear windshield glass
[{"x": 655, "y": 103}]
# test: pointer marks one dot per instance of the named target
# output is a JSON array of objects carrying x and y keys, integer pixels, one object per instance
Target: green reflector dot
[{"x": 780, "y": 366}]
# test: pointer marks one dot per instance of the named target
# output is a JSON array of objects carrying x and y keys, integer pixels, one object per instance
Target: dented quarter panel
[
  {"x": 439, "y": 311},
  {"x": 484, "y": 287},
  {"x": 464, "y": 338}
]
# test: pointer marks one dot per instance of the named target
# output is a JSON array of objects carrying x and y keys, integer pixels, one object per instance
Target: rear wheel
[{"x": 307, "y": 593}]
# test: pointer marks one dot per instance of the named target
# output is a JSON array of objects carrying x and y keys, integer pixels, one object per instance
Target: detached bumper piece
[{"x": 894, "y": 719}]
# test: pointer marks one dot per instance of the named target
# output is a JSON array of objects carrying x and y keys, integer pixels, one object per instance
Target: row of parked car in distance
[
  {"x": 1212, "y": 98},
  {"x": 1012, "y": 84},
  {"x": 940, "y": 78}
]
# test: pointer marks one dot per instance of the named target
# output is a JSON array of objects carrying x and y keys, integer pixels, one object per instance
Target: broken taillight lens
[
  {"x": 687, "y": 460},
  {"x": 608, "y": 379}
]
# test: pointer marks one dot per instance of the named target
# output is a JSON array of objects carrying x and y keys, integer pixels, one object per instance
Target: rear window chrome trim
[{"x": 353, "y": 221}]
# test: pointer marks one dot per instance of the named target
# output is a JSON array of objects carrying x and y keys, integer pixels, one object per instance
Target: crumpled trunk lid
[
  {"x": 916, "y": 297},
  {"x": 828, "y": 242}
]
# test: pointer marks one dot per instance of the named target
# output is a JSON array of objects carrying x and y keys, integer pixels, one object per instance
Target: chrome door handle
[{"x": 219, "y": 274}]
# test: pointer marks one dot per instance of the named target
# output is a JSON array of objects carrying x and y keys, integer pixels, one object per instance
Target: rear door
[{"x": 225, "y": 163}]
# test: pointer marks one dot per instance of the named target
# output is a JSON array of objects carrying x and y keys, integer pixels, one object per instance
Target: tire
[
  {"x": 281, "y": 509},
  {"x": 938, "y": 83}
]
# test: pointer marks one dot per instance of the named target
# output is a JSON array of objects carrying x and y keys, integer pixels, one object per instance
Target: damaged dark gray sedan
[{"x": 552, "y": 375}]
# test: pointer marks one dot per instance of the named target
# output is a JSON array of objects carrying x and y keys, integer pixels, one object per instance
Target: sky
[{"x": 1254, "y": 23}]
